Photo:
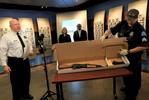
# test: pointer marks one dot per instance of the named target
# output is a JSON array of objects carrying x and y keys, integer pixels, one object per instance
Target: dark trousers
[
  {"x": 133, "y": 82},
  {"x": 19, "y": 77}
]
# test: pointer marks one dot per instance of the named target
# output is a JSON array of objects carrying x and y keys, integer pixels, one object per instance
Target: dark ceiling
[{"x": 49, "y": 5}]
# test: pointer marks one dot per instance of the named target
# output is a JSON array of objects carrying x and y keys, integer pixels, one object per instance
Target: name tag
[
  {"x": 25, "y": 37},
  {"x": 15, "y": 41}
]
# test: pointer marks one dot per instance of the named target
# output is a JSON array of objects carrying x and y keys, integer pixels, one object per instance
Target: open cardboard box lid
[{"x": 89, "y": 52}]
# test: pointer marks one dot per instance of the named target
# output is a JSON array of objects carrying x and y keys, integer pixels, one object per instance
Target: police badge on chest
[
  {"x": 131, "y": 34},
  {"x": 25, "y": 37},
  {"x": 120, "y": 34}
]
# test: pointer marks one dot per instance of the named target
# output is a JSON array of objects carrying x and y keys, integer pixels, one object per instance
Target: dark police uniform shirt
[
  {"x": 63, "y": 38},
  {"x": 136, "y": 36}
]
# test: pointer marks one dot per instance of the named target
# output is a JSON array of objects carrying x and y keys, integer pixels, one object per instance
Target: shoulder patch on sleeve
[
  {"x": 144, "y": 39},
  {"x": 143, "y": 33}
]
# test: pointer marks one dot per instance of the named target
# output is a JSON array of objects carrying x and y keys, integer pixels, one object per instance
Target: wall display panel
[
  {"x": 115, "y": 16},
  {"x": 99, "y": 24},
  {"x": 70, "y": 21},
  {"x": 4, "y": 25},
  {"x": 141, "y": 6},
  {"x": 27, "y": 27},
  {"x": 44, "y": 28}
]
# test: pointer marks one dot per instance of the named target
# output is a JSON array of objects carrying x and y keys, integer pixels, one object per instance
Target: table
[{"x": 58, "y": 79}]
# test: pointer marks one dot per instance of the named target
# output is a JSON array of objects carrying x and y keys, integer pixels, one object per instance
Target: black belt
[{"x": 14, "y": 58}]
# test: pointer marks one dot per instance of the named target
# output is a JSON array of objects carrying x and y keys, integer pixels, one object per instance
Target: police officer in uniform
[
  {"x": 137, "y": 42},
  {"x": 16, "y": 47}
]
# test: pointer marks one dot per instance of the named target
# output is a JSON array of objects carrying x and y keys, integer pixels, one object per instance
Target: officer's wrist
[{"x": 128, "y": 51}]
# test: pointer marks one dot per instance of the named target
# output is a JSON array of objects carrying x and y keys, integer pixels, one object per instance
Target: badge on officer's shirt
[
  {"x": 25, "y": 37},
  {"x": 143, "y": 33},
  {"x": 120, "y": 34},
  {"x": 131, "y": 34},
  {"x": 144, "y": 39}
]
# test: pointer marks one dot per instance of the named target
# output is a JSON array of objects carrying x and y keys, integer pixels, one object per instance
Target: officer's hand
[
  {"x": 102, "y": 38},
  {"x": 31, "y": 53},
  {"x": 123, "y": 52},
  {"x": 6, "y": 69}
]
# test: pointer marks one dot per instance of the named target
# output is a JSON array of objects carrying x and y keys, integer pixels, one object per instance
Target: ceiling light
[{"x": 42, "y": 7}]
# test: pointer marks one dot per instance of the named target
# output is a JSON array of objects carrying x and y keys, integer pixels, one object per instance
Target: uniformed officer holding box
[
  {"x": 16, "y": 47},
  {"x": 137, "y": 42}
]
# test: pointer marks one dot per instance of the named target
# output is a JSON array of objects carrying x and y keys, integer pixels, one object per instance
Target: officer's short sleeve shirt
[{"x": 136, "y": 35}]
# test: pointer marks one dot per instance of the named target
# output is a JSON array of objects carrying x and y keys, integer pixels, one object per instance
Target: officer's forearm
[
  {"x": 107, "y": 32},
  {"x": 137, "y": 49}
]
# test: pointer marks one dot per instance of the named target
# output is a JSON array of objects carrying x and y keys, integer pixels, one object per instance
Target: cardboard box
[{"x": 92, "y": 52}]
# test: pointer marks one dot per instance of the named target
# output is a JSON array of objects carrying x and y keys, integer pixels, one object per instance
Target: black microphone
[
  {"x": 41, "y": 37},
  {"x": 41, "y": 46}
]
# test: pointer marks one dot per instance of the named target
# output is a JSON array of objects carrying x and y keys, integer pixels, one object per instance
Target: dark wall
[
  {"x": 28, "y": 14},
  {"x": 107, "y": 5}
]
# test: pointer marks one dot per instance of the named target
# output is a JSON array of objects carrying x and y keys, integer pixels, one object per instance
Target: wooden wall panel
[
  {"x": 53, "y": 26},
  {"x": 37, "y": 50},
  {"x": 91, "y": 23},
  {"x": 125, "y": 15},
  {"x": 35, "y": 27},
  {"x": 106, "y": 20}
]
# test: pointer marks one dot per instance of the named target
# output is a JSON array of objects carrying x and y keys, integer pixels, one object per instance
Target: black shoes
[
  {"x": 123, "y": 89},
  {"x": 27, "y": 97},
  {"x": 129, "y": 95}
]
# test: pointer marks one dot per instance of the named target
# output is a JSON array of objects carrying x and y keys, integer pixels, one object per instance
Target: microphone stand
[{"x": 48, "y": 93}]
